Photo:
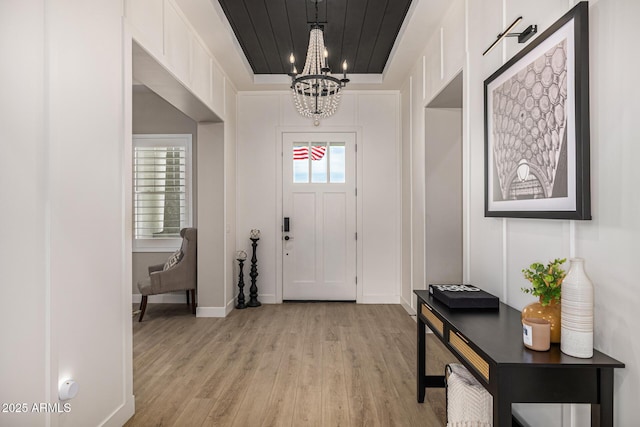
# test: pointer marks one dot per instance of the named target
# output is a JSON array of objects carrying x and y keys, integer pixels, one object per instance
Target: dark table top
[{"x": 498, "y": 333}]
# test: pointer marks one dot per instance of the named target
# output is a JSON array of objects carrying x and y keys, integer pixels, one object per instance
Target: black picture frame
[{"x": 536, "y": 114}]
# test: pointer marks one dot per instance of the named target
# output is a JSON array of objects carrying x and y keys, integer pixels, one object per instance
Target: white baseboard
[
  {"x": 121, "y": 415},
  {"x": 231, "y": 305},
  {"x": 169, "y": 298},
  {"x": 211, "y": 311},
  {"x": 407, "y": 307},
  {"x": 266, "y": 299},
  {"x": 271, "y": 299},
  {"x": 181, "y": 298},
  {"x": 380, "y": 299}
]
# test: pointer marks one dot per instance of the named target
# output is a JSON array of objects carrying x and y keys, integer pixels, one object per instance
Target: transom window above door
[{"x": 319, "y": 162}]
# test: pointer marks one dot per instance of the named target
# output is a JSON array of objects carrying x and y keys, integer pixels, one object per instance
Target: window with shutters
[{"x": 161, "y": 191}]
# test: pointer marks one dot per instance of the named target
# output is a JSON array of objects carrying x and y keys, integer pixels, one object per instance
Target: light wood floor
[{"x": 302, "y": 364}]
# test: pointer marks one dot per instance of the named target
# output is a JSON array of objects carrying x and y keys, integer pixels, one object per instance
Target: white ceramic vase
[{"x": 577, "y": 312}]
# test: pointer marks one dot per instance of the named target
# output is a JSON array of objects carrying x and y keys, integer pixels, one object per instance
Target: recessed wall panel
[
  {"x": 177, "y": 39},
  {"x": 334, "y": 244},
  {"x": 304, "y": 232}
]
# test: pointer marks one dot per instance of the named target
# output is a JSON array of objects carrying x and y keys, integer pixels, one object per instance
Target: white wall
[
  {"x": 230, "y": 191},
  {"x": 24, "y": 288},
  {"x": 497, "y": 249},
  {"x": 66, "y": 131},
  {"x": 64, "y": 211},
  {"x": 443, "y": 195},
  {"x": 211, "y": 232},
  {"x": 375, "y": 116}
]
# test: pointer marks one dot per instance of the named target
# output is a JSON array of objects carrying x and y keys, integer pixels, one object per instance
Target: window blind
[{"x": 160, "y": 191}]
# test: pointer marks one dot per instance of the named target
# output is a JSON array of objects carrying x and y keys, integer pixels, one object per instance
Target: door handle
[
  {"x": 285, "y": 228},
  {"x": 287, "y": 238}
]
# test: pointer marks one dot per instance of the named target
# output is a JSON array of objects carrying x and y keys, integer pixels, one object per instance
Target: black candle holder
[
  {"x": 253, "y": 290},
  {"x": 241, "y": 304}
]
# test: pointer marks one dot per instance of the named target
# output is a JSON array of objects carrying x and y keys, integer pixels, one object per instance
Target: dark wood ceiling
[{"x": 362, "y": 32}]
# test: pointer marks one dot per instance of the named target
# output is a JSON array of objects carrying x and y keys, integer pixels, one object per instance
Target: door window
[{"x": 319, "y": 162}]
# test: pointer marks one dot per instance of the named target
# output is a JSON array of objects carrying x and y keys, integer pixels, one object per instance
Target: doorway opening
[
  {"x": 154, "y": 84},
  {"x": 443, "y": 186}
]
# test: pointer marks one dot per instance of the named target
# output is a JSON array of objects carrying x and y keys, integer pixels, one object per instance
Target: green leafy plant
[{"x": 546, "y": 280}]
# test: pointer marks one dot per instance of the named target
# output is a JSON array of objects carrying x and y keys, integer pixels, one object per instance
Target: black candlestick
[
  {"x": 253, "y": 290},
  {"x": 241, "y": 303}
]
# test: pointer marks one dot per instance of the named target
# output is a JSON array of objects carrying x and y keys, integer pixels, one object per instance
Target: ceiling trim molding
[
  {"x": 283, "y": 79},
  {"x": 232, "y": 34},
  {"x": 286, "y": 92},
  {"x": 400, "y": 36}
]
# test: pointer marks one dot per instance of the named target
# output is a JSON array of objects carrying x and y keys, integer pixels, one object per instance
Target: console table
[{"x": 489, "y": 344}]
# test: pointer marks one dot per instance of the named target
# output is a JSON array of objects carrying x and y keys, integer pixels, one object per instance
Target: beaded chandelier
[{"x": 316, "y": 94}]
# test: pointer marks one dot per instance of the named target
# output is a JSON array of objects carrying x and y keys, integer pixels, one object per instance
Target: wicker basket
[{"x": 469, "y": 404}]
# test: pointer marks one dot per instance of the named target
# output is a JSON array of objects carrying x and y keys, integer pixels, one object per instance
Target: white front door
[{"x": 319, "y": 207}]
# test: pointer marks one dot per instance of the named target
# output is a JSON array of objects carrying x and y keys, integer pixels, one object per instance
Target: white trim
[
  {"x": 423, "y": 175},
  {"x": 442, "y": 54},
  {"x": 400, "y": 36},
  {"x": 269, "y": 298},
  {"x": 349, "y": 289},
  {"x": 407, "y": 306},
  {"x": 195, "y": 35},
  {"x": 211, "y": 312},
  {"x": 155, "y": 50},
  {"x": 359, "y": 209},
  {"x": 288, "y": 93},
  {"x": 466, "y": 155},
  {"x": 380, "y": 299},
  {"x": 572, "y": 239},
  {"x": 50, "y": 358},
  {"x": 424, "y": 78},
  {"x": 121, "y": 415},
  {"x": 168, "y": 246},
  {"x": 504, "y": 24},
  {"x": 236, "y": 44},
  {"x": 409, "y": 204},
  {"x": 505, "y": 260},
  {"x": 228, "y": 308},
  {"x": 231, "y": 305},
  {"x": 127, "y": 409},
  {"x": 279, "y": 200},
  {"x": 398, "y": 212},
  {"x": 285, "y": 80},
  {"x": 280, "y": 131},
  {"x": 505, "y": 225}
]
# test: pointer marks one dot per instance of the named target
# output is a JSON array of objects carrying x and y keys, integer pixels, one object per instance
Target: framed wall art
[{"x": 537, "y": 126}]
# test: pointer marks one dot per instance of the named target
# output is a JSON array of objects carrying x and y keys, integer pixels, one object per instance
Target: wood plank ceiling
[{"x": 361, "y": 31}]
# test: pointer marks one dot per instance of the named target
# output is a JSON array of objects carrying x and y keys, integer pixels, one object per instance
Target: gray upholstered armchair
[{"x": 181, "y": 276}]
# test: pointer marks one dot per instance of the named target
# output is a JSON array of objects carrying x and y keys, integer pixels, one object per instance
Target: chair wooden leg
[
  {"x": 143, "y": 307},
  {"x": 187, "y": 296},
  {"x": 193, "y": 301}
]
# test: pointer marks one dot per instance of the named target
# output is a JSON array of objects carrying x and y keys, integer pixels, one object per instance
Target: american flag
[{"x": 302, "y": 153}]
